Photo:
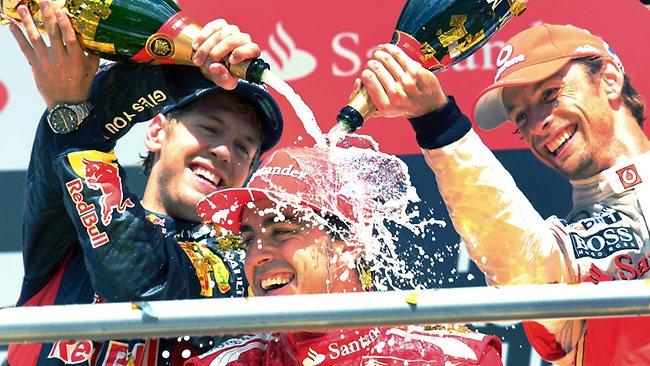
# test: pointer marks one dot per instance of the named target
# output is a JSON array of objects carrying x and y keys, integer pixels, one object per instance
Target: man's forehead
[
  {"x": 266, "y": 213},
  {"x": 511, "y": 95}
]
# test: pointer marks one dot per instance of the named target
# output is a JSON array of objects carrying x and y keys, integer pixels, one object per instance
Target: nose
[
  {"x": 542, "y": 120},
  {"x": 222, "y": 150},
  {"x": 260, "y": 252}
]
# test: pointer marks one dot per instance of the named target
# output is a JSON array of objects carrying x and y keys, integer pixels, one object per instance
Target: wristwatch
[{"x": 65, "y": 118}]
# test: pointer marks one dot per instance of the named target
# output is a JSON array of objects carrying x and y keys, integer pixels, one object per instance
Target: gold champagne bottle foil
[
  {"x": 362, "y": 103},
  {"x": 172, "y": 43},
  {"x": 517, "y": 7}
]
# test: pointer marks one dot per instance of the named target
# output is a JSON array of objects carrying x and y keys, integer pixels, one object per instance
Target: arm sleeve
[
  {"x": 140, "y": 262},
  {"x": 127, "y": 256},
  {"x": 504, "y": 235}
]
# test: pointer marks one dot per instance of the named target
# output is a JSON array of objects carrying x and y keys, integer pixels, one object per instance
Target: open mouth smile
[
  {"x": 206, "y": 175},
  {"x": 276, "y": 282},
  {"x": 559, "y": 141}
]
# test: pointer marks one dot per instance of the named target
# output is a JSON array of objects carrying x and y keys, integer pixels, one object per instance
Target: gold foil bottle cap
[{"x": 518, "y": 7}]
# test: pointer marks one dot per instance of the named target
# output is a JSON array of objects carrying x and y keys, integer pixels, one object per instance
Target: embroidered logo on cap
[
  {"x": 505, "y": 60},
  {"x": 277, "y": 170}
]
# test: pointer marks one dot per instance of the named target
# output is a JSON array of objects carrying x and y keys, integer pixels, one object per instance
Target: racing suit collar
[
  {"x": 625, "y": 174},
  {"x": 182, "y": 229}
]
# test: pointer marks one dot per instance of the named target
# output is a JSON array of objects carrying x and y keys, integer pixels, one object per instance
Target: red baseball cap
[
  {"x": 531, "y": 56},
  {"x": 340, "y": 182}
]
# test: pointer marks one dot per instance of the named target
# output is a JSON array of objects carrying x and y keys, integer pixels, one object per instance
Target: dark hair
[
  {"x": 336, "y": 228},
  {"x": 175, "y": 115},
  {"x": 631, "y": 97}
]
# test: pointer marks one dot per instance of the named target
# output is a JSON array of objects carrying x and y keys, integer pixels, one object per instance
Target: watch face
[{"x": 63, "y": 120}]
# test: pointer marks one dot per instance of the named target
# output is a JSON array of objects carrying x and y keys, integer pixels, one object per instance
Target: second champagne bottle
[{"x": 438, "y": 34}]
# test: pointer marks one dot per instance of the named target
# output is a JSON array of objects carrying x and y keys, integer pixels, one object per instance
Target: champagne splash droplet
[{"x": 303, "y": 111}]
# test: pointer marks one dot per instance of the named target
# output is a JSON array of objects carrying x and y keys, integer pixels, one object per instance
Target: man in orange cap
[
  {"x": 301, "y": 217},
  {"x": 574, "y": 106}
]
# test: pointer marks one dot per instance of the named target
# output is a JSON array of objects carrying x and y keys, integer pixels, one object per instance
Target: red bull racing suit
[
  {"x": 605, "y": 237},
  {"x": 88, "y": 239},
  {"x": 379, "y": 346}
]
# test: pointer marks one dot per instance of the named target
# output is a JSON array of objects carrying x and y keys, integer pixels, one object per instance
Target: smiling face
[
  {"x": 288, "y": 254},
  {"x": 210, "y": 146},
  {"x": 568, "y": 121}
]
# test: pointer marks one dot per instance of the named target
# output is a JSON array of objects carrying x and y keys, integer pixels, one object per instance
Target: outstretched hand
[
  {"x": 399, "y": 86},
  {"x": 63, "y": 72},
  {"x": 216, "y": 41}
]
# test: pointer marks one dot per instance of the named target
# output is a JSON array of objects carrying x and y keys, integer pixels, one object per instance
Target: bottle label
[
  {"x": 423, "y": 53},
  {"x": 171, "y": 44}
]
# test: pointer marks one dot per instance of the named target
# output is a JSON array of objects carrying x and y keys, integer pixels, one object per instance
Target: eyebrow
[
  {"x": 270, "y": 221},
  {"x": 535, "y": 89},
  {"x": 253, "y": 140}
]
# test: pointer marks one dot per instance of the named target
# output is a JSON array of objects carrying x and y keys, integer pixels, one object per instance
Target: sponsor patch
[
  {"x": 604, "y": 243},
  {"x": 219, "y": 270},
  {"x": 278, "y": 170},
  {"x": 156, "y": 220},
  {"x": 72, "y": 352},
  {"x": 86, "y": 213},
  {"x": 629, "y": 176},
  {"x": 201, "y": 267},
  {"x": 628, "y": 268},
  {"x": 505, "y": 60},
  {"x": 604, "y": 218},
  {"x": 341, "y": 351},
  {"x": 100, "y": 172},
  {"x": 210, "y": 268}
]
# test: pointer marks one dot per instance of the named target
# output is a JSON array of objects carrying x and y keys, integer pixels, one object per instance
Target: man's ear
[
  {"x": 155, "y": 133},
  {"x": 613, "y": 81}
]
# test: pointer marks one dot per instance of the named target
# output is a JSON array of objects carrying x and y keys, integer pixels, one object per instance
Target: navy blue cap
[
  {"x": 139, "y": 92},
  {"x": 256, "y": 95}
]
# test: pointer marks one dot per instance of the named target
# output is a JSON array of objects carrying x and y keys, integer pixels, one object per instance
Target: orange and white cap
[{"x": 532, "y": 56}]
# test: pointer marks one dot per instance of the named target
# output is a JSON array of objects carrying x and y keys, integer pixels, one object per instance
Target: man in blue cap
[{"x": 87, "y": 237}]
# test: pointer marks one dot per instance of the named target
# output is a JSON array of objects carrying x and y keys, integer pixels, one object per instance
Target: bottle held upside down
[
  {"x": 438, "y": 34},
  {"x": 145, "y": 31}
]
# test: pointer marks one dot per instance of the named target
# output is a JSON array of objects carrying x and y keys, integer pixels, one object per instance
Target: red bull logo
[
  {"x": 105, "y": 177},
  {"x": 72, "y": 352},
  {"x": 86, "y": 213},
  {"x": 117, "y": 353}
]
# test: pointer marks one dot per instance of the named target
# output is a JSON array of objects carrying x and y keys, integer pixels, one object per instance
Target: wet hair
[
  {"x": 175, "y": 115},
  {"x": 336, "y": 228},
  {"x": 631, "y": 97}
]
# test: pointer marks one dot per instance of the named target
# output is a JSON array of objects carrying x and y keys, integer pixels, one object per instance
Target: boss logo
[{"x": 604, "y": 243}]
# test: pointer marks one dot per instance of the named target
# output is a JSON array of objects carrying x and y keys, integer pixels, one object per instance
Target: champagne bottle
[
  {"x": 146, "y": 31},
  {"x": 438, "y": 34}
]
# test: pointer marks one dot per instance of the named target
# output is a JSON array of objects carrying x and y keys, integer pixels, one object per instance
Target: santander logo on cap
[{"x": 289, "y": 171}]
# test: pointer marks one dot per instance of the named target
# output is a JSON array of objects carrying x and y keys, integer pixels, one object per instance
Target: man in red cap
[
  {"x": 574, "y": 106},
  {"x": 301, "y": 220}
]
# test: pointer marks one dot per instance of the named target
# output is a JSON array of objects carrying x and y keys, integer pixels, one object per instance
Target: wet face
[
  {"x": 288, "y": 254},
  {"x": 210, "y": 146},
  {"x": 567, "y": 121}
]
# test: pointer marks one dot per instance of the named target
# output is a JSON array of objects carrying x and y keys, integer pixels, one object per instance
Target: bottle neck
[{"x": 358, "y": 110}]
